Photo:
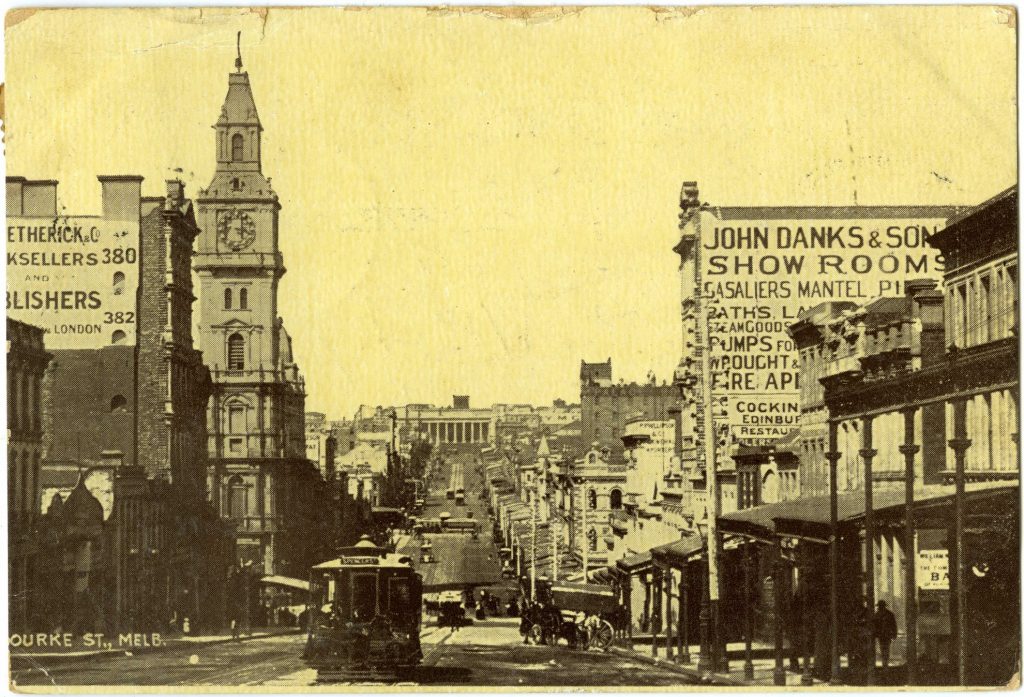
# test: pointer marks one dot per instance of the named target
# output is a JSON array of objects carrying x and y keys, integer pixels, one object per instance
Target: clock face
[{"x": 235, "y": 229}]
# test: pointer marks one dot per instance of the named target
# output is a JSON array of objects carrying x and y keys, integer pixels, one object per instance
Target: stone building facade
[{"x": 259, "y": 478}]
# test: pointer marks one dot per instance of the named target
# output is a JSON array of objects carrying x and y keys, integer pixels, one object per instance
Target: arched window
[
  {"x": 118, "y": 403},
  {"x": 227, "y": 298},
  {"x": 592, "y": 499},
  {"x": 118, "y": 283},
  {"x": 237, "y": 499},
  {"x": 592, "y": 539},
  {"x": 236, "y": 352},
  {"x": 237, "y": 146},
  {"x": 616, "y": 499},
  {"x": 118, "y": 337},
  {"x": 243, "y": 299}
]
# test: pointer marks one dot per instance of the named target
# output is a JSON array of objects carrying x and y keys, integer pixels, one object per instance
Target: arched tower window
[
  {"x": 237, "y": 146},
  {"x": 118, "y": 403},
  {"x": 227, "y": 298},
  {"x": 237, "y": 503},
  {"x": 243, "y": 299},
  {"x": 616, "y": 502},
  {"x": 236, "y": 352},
  {"x": 118, "y": 283}
]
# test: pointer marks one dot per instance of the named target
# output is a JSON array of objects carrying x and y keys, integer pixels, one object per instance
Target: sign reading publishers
[
  {"x": 74, "y": 276},
  {"x": 761, "y": 267}
]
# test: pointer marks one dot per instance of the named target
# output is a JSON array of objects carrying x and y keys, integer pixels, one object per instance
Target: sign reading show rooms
[
  {"x": 762, "y": 266},
  {"x": 74, "y": 276}
]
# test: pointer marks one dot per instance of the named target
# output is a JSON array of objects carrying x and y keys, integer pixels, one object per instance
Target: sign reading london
[
  {"x": 75, "y": 277},
  {"x": 762, "y": 267}
]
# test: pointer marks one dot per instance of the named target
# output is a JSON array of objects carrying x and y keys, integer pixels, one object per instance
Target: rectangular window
[
  {"x": 235, "y": 446},
  {"x": 364, "y": 597},
  {"x": 236, "y": 419}
]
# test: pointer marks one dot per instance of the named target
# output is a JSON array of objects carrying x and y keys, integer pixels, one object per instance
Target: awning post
[
  {"x": 909, "y": 449},
  {"x": 868, "y": 453}
]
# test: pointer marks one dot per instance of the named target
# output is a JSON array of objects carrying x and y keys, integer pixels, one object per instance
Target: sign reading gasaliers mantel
[{"x": 75, "y": 277}]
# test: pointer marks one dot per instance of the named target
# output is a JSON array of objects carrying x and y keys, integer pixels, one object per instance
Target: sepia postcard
[{"x": 512, "y": 348}]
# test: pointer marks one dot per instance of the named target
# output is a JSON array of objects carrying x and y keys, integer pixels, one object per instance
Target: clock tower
[{"x": 255, "y": 416}]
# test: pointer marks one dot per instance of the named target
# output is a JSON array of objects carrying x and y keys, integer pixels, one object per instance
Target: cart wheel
[
  {"x": 535, "y": 634},
  {"x": 604, "y": 635}
]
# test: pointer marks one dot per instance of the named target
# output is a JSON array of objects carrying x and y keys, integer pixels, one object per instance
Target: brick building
[
  {"x": 606, "y": 407},
  {"x": 130, "y": 540},
  {"x": 26, "y": 362}
]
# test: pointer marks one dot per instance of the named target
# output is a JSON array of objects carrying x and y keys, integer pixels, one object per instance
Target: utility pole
[
  {"x": 583, "y": 532},
  {"x": 554, "y": 546},
  {"x": 533, "y": 548},
  {"x": 706, "y": 433}
]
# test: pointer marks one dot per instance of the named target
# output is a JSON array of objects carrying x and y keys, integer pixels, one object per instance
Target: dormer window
[{"x": 237, "y": 147}]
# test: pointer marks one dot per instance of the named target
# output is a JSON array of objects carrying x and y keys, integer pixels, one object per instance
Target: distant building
[{"x": 606, "y": 408}]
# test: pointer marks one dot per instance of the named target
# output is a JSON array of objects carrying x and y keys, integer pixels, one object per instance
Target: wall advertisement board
[
  {"x": 761, "y": 267},
  {"x": 75, "y": 277}
]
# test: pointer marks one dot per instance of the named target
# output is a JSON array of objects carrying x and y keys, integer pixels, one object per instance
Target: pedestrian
[
  {"x": 236, "y": 634},
  {"x": 884, "y": 627}
]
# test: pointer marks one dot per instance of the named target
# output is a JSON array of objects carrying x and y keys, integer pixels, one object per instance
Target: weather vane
[{"x": 238, "y": 46}]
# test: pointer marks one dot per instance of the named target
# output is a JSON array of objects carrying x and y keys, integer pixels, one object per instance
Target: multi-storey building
[
  {"x": 606, "y": 408},
  {"x": 26, "y": 362},
  {"x": 259, "y": 476}
]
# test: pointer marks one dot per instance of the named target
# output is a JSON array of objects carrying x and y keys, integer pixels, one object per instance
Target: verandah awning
[{"x": 810, "y": 516}]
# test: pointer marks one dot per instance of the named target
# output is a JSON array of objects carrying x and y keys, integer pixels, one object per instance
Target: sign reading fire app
[
  {"x": 762, "y": 272},
  {"x": 75, "y": 277}
]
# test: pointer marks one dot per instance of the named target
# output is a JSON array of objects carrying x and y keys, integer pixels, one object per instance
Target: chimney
[
  {"x": 39, "y": 199},
  {"x": 15, "y": 186},
  {"x": 175, "y": 194},
  {"x": 915, "y": 287},
  {"x": 122, "y": 196},
  {"x": 676, "y": 412},
  {"x": 689, "y": 197}
]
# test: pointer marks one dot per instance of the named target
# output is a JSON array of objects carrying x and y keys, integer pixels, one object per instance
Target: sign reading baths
[
  {"x": 75, "y": 277},
  {"x": 762, "y": 266}
]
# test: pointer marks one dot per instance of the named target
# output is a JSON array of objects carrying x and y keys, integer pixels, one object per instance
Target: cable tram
[{"x": 364, "y": 615}]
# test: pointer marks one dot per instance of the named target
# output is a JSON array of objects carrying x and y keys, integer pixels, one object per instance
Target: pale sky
[{"x": 471, "y": 203}]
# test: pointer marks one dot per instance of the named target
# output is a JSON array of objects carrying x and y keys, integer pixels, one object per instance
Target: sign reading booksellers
[
  {"x": 75, "y": 277},
  {"x": 762, "y": 267}
]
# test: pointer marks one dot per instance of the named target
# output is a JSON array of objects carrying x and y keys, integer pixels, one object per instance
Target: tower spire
[{"x": 238, "y": 47}]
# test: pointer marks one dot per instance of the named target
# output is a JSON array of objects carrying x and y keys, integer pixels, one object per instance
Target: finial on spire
[{"x": 238, "y": 46}]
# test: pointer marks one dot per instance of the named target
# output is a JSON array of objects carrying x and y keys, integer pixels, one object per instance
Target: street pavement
[
  {"x": 488, "y": 653},
  {"x": 482, "y": 653}
]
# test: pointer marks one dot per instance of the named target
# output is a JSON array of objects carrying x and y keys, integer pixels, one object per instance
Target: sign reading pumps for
[
  {"x": 75, "y": 277},
  {"x": 761, "y": 267}
]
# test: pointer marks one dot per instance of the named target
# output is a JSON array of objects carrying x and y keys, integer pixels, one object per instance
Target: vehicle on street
[{"x": 364, "y": 614}]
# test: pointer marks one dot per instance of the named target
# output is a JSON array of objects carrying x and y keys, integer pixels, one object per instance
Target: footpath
[
  {"x": 111, "y": 647},
  {"x": 763, "y": 674}
]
